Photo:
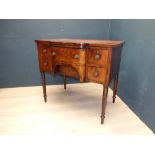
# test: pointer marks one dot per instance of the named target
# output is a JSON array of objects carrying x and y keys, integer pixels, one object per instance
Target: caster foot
[
  {"x": 102, "y": 119},
  {"x": 114, "y": 97},
  {"x": 45, "y": 99}
]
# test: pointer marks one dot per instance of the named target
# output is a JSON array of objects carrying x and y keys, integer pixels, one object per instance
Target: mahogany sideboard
[{"x": 87, "y": 60}]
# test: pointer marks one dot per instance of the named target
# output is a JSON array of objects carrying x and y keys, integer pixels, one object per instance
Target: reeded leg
[
  {"x": 115, "y": 88},
  {"x": 104, "y": 103},
  {"x": 64, "y": 82},
  {"x": 43, "y": 81}
]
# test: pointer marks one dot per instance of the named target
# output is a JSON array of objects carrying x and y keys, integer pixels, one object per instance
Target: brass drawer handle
[
  {"x": 76, "y": 56},
  {"x": 96, "y": 73},
  {"x": 97, "y": 56},
  {"x": 44, "y": 50},
  {"x": 45, "y": 63},
  {"x": 53, "y": 53}
]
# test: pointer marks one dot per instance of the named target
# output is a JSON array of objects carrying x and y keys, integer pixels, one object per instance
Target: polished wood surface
[
  {"x": 87, "y": 60},
  {"x": 97, "y": 57},
  {"x": 81, "y": 42},
  {"x": 96, "y": 74}
]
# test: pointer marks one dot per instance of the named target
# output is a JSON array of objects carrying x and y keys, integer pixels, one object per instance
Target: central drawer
[{"x": 68, "y": 55}]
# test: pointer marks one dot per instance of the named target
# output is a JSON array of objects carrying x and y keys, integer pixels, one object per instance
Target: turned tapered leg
[
  {"x": 115, "y": 88},
  {"x": 104, "y": 103},
  {"x": 43, "y": 81},
  {"x": 64, "y": 82}
]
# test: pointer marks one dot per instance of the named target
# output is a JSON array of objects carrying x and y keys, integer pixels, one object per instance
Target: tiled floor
[{"x": 72, "y": 111}]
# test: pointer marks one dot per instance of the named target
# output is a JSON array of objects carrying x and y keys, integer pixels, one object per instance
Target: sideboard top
[{"x": 81, "y": 43}]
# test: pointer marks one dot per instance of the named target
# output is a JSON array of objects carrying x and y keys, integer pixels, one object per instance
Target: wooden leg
[
  {"x": 115, "y": 88},
  {"x": 64, "y": 82},
  {"x": 43, "y": 81},
  {"x": 104, "y": 103}
]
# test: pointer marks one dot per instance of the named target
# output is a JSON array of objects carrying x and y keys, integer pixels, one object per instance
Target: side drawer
[
  {"x": 97, "y": 57},
  {"x": 96, "y": 74},
  {"x": 45, "y": 57}
]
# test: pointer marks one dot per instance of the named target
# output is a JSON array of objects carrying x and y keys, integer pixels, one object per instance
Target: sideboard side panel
[{"x": 115, "y": 62}]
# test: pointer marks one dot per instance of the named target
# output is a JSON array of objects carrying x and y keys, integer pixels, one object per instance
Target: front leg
[
  {"x": 65, "y": 82},
  {"x": 104, "y": 103},
  {"x": 115, "y": 87},
  {"x": 43, "y": 81}
]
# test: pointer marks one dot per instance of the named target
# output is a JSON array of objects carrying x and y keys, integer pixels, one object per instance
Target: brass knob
[
  {"x": 96, "y": 73},
  {"x": 76, "y": 56},
  {"x": 53, "y": 53},
  {"x": 44, "y": 50},
  {"x": 97, "y": 56},
  {"x": 45, "y": 63}
]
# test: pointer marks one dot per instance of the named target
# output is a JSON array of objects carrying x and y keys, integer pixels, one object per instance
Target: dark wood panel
[{"x": 115, "y": 63}]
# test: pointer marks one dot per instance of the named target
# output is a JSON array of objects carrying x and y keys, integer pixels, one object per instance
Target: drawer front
[
  {"x": 77, "y": 71},
  {"x": 68, "y": 71},
  {"x": 68, "y": 55},
  {"x": 97, "y": 57},
  {"x": 45, "y": 65},
  {"x": 45, "y": 58},
  {"x": 96, "y": 74}
]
